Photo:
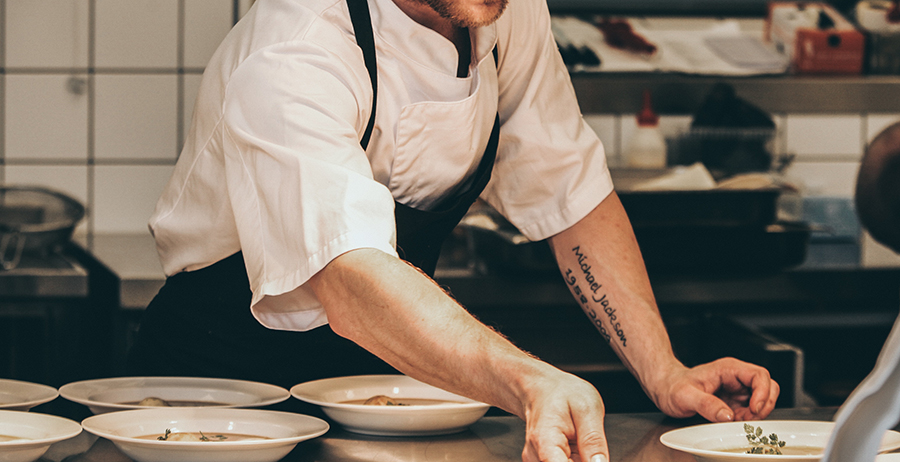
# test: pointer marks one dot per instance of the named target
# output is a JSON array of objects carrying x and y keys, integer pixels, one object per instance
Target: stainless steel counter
[
  {"x": 132, "y": 258},
  {"x": 44, "y": 276},
  {"x": 632, "y": 437}
]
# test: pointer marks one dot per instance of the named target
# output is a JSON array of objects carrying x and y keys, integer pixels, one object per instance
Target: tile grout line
[
  {"x": 179, "y": 83},
  {"x": 3, "y": 92},
  {"x": 91, "y": 109}
]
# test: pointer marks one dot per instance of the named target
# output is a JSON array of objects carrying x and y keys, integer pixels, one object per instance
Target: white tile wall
[
  {"x": 837, "y": 136},
  {"x": 46, "y": 33},
  {"x": 137, "y": 33},
  {"x": 44, "y": 119},
  {"x": 875, "y": 123},
  {"x": 113, "y": 144},
  {"x": 831, "y": 179},
  {"x": 206, "y": 22},
  {"x": 126, "y": 196},
  {"x": 136, "y": 117}
]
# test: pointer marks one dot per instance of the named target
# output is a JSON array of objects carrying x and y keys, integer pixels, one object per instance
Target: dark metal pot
[{"x": 34, "y": 220}]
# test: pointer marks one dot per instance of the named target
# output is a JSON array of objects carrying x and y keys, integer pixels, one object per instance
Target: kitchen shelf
[{"x": 607, "y": 93}]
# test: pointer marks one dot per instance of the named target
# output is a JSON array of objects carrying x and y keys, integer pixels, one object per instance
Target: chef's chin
[{"x": 469, "y": 13}]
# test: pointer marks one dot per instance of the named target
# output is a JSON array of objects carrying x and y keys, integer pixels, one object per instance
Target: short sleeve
[
  {"x": 299, "y": 184},
  {"x": 551, "y": 168}
]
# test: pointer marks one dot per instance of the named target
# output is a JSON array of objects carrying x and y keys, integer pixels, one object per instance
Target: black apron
[{"x": 200, "y": 324}]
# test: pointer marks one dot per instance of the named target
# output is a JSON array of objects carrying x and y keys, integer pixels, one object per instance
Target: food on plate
[
  {"x": 201, "y": 437},
  {"x": 381, "y": 400},
  {"x": 153, "y": 401},
  {"x": 159, "y": 402},
  {"x": 788, "y": 451},
  {"x": 762, "y": 444},
  {"x": 7, "y": 438}
]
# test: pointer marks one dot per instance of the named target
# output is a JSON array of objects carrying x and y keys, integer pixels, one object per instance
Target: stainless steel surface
[
  {"x": 44, "y": 276},
  {"x": 632, "y": 438},
  {"x": 132, "y": 258},
  {"x": 682, "y": 94}
]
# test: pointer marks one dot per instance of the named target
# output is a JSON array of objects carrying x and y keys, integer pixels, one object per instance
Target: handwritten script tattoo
[{"x": 593, "y": 296}]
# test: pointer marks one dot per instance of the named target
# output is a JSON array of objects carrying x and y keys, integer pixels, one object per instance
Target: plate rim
[
  {"x": 711, "y": 453},
  {"x": 51, "y": 394},
  {"x": 88, "y": 425},
  {"x": 74, "y": 391},
  {"x": 74, "y": 430},
  {"x": 469, "y": 403}
]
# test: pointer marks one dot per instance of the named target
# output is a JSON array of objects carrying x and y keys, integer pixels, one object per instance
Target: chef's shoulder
[{"x": 277, "y": 36}]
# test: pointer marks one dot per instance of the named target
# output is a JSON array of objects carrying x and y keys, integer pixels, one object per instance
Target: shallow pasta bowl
[
  {"x": 423, "y": 410},
  {"x": 229, "y": 435},
  {"x": 16, "y": 395},
  {"x": 124, "y": 393},
  {"x": 727, "y": 442},
  {"x": 26, "y": 436}
]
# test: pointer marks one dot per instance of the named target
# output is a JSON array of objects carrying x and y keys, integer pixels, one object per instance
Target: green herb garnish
[
  {"x": 166, "y": 436},
  {"x": 762, "y": 444},
  {"x": 214, "y": 437}
]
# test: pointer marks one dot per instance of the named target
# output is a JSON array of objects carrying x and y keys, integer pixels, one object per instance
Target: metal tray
[
  {"x": 712, "y": 208},
  {"x": 710, "y": 249}
]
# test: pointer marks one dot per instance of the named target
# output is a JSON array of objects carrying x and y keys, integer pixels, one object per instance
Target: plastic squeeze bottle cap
[{"x": 647, "y": 117}]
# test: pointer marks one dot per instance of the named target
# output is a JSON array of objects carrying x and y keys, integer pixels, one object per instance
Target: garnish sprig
[{"x": 762, "y": 444}]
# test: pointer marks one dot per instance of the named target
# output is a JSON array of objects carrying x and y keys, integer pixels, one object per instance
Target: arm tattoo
[{"x": 593, "y": 299}]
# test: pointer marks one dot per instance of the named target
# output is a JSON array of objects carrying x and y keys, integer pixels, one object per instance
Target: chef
[{"x": 335, "y": 143}]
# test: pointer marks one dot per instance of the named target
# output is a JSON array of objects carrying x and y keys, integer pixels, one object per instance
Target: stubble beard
[{"x": 463, "y": 18}]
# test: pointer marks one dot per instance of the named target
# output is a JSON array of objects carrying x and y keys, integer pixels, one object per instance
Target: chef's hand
[
  {"x": 564, "y": 421},
  {"x": 721, "y": 391}
]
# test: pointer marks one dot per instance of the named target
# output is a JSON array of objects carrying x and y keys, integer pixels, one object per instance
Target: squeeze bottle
[{"x": 647, "y": 147}]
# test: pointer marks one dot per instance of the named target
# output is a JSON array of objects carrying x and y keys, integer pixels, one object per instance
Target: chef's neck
[{"x": 425, "y": 15}]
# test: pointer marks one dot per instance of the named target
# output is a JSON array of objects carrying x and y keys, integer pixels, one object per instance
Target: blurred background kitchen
[{"x": 97, "y": 97}]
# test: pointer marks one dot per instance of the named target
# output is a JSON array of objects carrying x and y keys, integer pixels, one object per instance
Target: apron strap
[
  {"x": 362, "y": 27},
  {"x": 421, "y": 233}
]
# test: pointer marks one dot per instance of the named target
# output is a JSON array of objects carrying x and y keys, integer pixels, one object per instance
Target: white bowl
[
  {"x": 122, "y": 393},
  {"x": 16, "y": 395},
  {"x": 33, "y": 433},
  {"x": 281, "y": 430},
  {"x": 454, "y": 414},
  {"x": 708, "y": 442}
]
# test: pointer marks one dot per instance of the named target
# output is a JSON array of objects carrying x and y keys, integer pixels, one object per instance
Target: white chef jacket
[{"x": 272, "y": 164}]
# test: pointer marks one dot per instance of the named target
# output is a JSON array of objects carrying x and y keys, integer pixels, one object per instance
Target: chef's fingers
[
  {"x": 709, "y": 406},
  {"x": 546, "y": 447},
  {"x": 763, "y": 400},
  {"x": 765, "y": 391},
  {"x": 590, "y": 434}
]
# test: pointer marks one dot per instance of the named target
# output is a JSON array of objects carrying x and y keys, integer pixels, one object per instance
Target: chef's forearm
[
  {"x": 400, "y": 315},
  {"x": 601, "y": 263}
]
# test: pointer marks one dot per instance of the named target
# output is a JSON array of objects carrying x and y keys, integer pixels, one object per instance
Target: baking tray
[
  {"x": 753, "y": 208},
  {"x": 715, "y": 249}
]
